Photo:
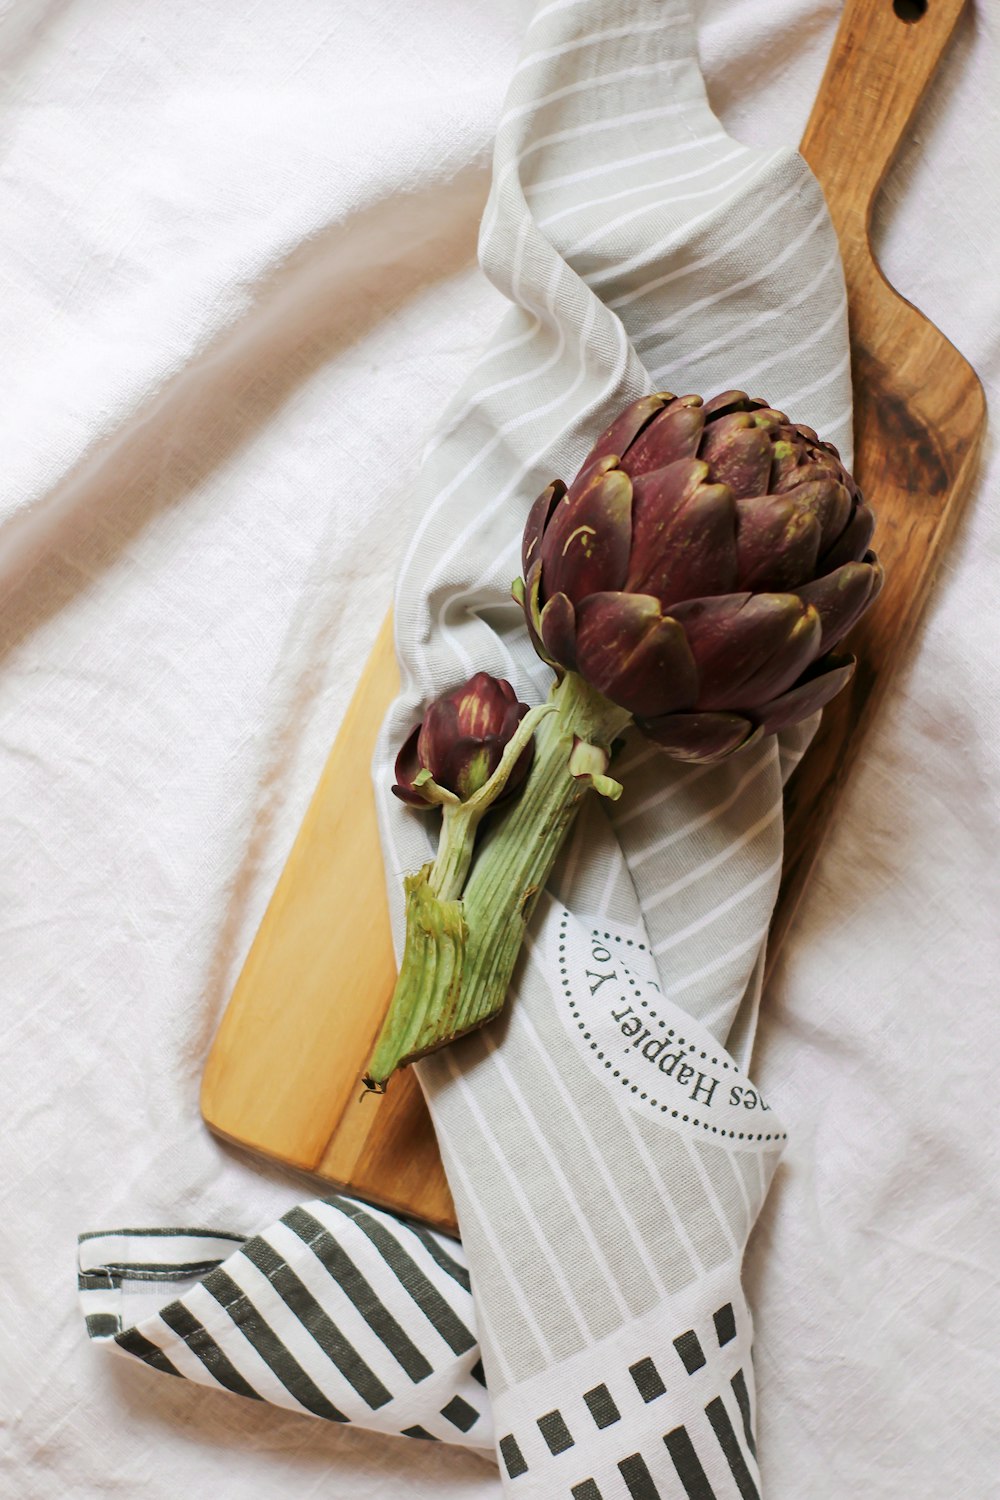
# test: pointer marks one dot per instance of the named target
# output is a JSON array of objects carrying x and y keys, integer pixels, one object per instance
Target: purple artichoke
[
  {"x": 700, "y": 568},
  {"x": 461, "y": 740}
]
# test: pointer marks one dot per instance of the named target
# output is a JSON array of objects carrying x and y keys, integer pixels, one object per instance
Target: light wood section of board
[
  {"x": 284, "y": 1073},
  {"x": 283, "y": 1076}
]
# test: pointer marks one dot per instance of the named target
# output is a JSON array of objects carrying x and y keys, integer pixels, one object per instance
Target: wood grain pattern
[
  {"x": 919, "y": 409},
  {"x": 282, "y": 1076},
  {"x": 284, "y": 1073}
]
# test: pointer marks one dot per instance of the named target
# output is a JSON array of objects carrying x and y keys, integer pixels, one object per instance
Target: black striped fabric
[
  {"x": 674, "y": 1423},
  {"x": 338, "y": 1311},
  {"x": 688, "y": 1465}
]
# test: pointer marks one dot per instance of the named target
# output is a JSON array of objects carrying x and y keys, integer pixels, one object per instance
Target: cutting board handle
[{"x": 878, "y": 69}]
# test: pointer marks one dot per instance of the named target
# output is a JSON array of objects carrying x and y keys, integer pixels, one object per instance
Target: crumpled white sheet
[{"x": 238, "y": 286}]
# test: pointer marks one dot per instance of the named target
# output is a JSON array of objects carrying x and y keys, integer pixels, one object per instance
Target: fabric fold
[
  {"x": 606, "y": 1172},
  {"x": 609, "y": 1159},
  {"x": 338, "y": 1311},
  {"x": 640, "y": 249}
]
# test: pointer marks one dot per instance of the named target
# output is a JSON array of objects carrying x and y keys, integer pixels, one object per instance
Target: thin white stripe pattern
[
  {"x": 744, "y": 1195},
  {"x": 740, "y": 379},
  {"x": 707, "y": 918},
  {"x": 721, "y": 961},
  {"x": 586, "y": 85},
  {"x": 540, "y": 1238},
  {"x": 643, "y": 187},
  {"x": 477, "y": 1226},
  {"x": 533, "y": 415},
  {"x": 732, "y": 287},
  {"x": 576, "y": 133},
  {"x": 523, "y": 1021},
  {"x": 612, "y": 226},
  {"x": 696, "y": 1164},
  {"x": 838, "y": 317},
  {"x": 622, "y": 164},
  {"x": 632, "y": 810},
  {"x": 722, "y": 857},
  {"x": 532, "y": 59},
  {"x": 760, "y": 765},
  {"x": 771, "y": 314},
  {"x": 552, "y": 1161},
  {"x": 540, "y": 411},
  {"x": 616, "y": 869},
  {"x": 511, "y": 426}
]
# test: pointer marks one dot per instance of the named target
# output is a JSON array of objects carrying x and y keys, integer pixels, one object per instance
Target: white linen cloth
[{"x": 139, "y": 630}]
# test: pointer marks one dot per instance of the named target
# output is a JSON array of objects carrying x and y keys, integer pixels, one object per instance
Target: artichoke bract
[
  {"x": 460, "y": 742},
  {"x": 699, "y": 570}
]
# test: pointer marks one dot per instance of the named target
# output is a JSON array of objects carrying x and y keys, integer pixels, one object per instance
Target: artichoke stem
[
  {"x": 454, "y": 855},
  {"x": 459, "y": 955},
  {"x": 516, "y": 858},
  {"x": 425, "y": 1000}
]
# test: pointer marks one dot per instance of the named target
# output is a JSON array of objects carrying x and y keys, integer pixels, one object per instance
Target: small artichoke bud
[{"x": 459, "y": 744}]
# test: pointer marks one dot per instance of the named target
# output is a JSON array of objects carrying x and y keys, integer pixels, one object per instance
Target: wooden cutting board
[{"x": 283, "y": 1075}]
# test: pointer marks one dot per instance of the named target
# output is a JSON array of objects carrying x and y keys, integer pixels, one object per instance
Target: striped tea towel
[
  {"x": 607, "y": 1151},
  {"x": 338, "y": 1310}
]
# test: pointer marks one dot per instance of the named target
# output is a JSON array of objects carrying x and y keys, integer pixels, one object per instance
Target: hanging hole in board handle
[{"x": 910, "y": 10}]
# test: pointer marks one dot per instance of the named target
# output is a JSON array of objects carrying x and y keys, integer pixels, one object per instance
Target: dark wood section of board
[{"x": 919, "y": 407}]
